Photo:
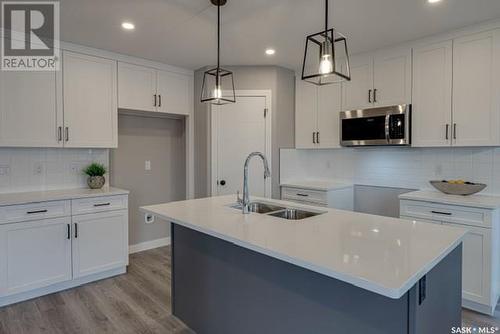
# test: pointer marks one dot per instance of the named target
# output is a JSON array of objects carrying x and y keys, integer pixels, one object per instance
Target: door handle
[
  {"x": 154, "y": 105},
  {"x": 441, "y": 213},
  {"x": 36, "y": 211},
  {"x": 66, "y": 135},
  {"x": 222, "y": 182},
  {"x": 454, "y": 130},
  {"x": 317, "y": 137},
  {"x": 68, "y": 231},
  {"x": 447, "y": 131},
  {"x": 102, "y": 204},
  {"x": 76, "y": 231},
  {"x": 314, "y": 137},
  {"x": 375, "y": 95},
  {"x": 369, "y": 96},
  {"x": 59, "y": 133},
  {"x": 159, "y": 100}
]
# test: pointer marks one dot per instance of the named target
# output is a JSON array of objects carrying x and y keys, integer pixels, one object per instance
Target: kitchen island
[{"x": 334, "y": 272}]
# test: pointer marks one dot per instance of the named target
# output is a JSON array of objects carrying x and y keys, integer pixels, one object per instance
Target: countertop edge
[
  {"x": 58, "y": 195},
  {"x": 393, "y": 293}
]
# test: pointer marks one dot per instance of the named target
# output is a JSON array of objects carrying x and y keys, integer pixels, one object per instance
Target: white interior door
[{"x": 240, "y": 129}]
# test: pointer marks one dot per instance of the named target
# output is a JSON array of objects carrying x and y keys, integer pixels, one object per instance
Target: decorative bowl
[{"x": 464, "y": 189}]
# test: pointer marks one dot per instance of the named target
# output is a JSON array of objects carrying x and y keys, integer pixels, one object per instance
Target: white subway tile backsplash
[
  {"x": 46, "y": 168},
  {"x": 395, "y": 167}
]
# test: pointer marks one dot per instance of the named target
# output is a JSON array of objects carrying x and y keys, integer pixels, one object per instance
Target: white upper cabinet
[
  {"x": 476, "y": 82},
  {"x": 392, "y": 77},
  {"x": 90, "y": 101},
  {"x": 329, "y": 106},
  {"x": 380, "y": 79},
  {"x": 146, "y": 89},
  {"x": 432, "y": 94},
  {"x": 357, "y": 93},
  {"x": 30, "y": 109},
  {"x": 306, "y": 114},
  {"x": 173, "y": 93},
  {"x": 136, "y": 87}
]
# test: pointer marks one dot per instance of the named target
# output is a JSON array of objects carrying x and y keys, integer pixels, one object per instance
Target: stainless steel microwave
[{"x": 376, "y": 126}]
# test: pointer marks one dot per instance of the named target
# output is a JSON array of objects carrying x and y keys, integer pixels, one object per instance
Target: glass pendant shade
[
  {"x": 326, "y": 58},
  {"x": 218, "y": 87}
]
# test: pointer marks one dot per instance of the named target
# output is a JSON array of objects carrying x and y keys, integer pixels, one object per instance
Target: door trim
[{"x": 267, "y": 94}]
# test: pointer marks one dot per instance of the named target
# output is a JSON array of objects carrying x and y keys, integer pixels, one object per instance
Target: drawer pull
[
  {"x": 102, "y": 204},
  {"x": 76, "y": 231},
  {"x": 36, "y": 211},
  {"x": 69, "y": 231},
  {"x": 441, "y": 213},
  {"x": 302, "y": 195}
]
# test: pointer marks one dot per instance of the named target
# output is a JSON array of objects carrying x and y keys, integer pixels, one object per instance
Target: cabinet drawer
[
  {"x": 34, "y": 211},
  {"x": 446, "y": 213},
  {"x": 304, "y": 195},
  {"x": 98, "y": 204}
]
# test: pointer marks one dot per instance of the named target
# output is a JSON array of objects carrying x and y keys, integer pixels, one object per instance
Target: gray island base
[{"x": 221, "y": 288}]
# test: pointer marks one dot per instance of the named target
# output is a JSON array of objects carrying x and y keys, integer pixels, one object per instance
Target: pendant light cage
[
  {"x": 326, "y": 57},
  {"x": 218, "y": 87},
  {"x": 218, "y": 83}
]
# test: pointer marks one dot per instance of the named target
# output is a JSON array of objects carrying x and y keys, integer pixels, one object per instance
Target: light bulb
[
  {"x": 326, "y": 65},
  {"x": 217, "y": 92}
]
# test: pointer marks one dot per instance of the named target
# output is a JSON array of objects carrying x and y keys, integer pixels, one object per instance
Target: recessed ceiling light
[
  {"x": 128, "y": 26},
  {"x": 270, "y": 52},
  {"x": 433, "y": 1}
]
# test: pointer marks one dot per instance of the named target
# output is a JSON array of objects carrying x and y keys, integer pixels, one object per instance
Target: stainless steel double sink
[{"x": 278, "y": 211}]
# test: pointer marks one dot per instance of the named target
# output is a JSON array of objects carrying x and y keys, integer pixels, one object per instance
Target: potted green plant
[{"x": 95, "y": 173}]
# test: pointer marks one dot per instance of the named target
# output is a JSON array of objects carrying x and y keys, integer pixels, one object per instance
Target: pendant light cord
[
  {"x": 326, "y": 16},
  {"x": 218, "y": 36}
]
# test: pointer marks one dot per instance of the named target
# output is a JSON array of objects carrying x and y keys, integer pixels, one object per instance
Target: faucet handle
[{"x": 238, "y": 199}]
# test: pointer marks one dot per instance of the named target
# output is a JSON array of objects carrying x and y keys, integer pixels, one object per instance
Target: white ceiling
[{"x": 183, "y": 32}]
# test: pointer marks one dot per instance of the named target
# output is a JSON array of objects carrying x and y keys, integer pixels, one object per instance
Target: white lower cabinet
[
  {"x": 34, "y": 255},
  {"x": 100, "y": 242},
  {"x": 341, "y": 198},
  {"x": 480, "y": 264},
  {"x": 43, "y": 255}
]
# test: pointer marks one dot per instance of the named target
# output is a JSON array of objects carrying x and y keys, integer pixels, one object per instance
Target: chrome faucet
[{"x": 246, "y": 196}]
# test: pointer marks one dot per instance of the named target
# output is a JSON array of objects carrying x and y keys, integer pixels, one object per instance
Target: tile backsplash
[
  {"x": 395, "y": 166},
  {"x": 34, "y": 169}
]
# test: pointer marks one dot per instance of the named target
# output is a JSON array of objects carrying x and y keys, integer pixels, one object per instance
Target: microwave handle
[{"x": 387, "y": 132}]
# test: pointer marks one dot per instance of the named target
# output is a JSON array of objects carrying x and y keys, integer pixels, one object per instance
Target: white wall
[
  {"x": 395, "y": 167},
  {"x": 36, "y": 169}
]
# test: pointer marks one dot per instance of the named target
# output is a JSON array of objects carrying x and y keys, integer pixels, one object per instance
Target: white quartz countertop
[
  {"x": 56, "y": 195},
  {"x": 475, "y": 201},
  {"x": 383, "y": 255},
  {"x": 322, "y": 185}
]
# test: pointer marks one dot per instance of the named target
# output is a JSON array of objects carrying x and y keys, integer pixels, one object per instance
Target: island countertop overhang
[{"x": 383, "y": 255}]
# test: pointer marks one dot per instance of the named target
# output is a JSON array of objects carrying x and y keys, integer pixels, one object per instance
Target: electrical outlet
[
  {"x": 147, "y": 165},
  {"x": 38, "y": 168},
  {"x": 4, "y": 170}
]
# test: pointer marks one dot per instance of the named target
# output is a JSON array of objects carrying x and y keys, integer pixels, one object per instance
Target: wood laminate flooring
[{"x": 137, "y": 302}]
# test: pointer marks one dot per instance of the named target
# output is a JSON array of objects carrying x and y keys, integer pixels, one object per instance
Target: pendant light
[
  {"x": 218, "y": 83},
  {"x": 326, "y": 59}
]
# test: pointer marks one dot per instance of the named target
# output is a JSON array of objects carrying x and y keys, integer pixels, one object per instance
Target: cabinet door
[
  {"x": 173, "y": 93},
  {"x": 306, "y": 114},
  {"x": 476, "y": 78},
  {"x": 476, "y": 264},
  {"x": 100, "y": 242},
  {"x": 90, "y": 111},
  {"x": 329, "y": 105},
  {"x": 358, "y": 93},
  {"x": 392, "y": 77},
  {"x": 34, "y": 254},
  {"x": 30, "y": 109},
  {"x": 432, "y": 88},
  {"x": 136, "y": 87}
]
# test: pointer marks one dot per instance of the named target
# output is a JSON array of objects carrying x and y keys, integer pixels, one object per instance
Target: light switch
[{"x": 147, "y": 165}]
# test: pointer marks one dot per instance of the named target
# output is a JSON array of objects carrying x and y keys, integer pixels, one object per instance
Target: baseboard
[
  {"x": 143, "y": 246},
  {"x": 481, "y": 308}
]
